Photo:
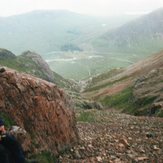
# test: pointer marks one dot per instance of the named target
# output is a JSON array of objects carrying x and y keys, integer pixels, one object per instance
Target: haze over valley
[
  {"x": 79, "y": 46},
  {"x": 56, "y": 34},
  {"x": 82, "y": 81}
]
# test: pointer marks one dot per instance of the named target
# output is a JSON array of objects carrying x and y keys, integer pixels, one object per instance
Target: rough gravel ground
[{"x": 113, "y": 137}]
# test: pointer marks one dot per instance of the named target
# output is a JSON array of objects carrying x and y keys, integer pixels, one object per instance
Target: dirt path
[{"x": 112, "y": 137}]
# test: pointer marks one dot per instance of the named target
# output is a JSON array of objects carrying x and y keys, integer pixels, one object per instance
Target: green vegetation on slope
[
  {"x": 7, "y": 120},
  {"x": 125, "y": 101},
  {"x": 23, "y": 64},
  {"x": 105, "y": 75},
  {"x": 105, "y": 84},
  {"x": 45, "y": 157},
  {"x": 33, "y": 64},
  {"x": 86, "y": 116}
]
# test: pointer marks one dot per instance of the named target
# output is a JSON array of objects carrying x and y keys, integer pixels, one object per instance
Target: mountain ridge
[
  {"x": 32, "y": 63},
  {"x": 34, "y": 29},
  {"x": 143, "y": 35}
]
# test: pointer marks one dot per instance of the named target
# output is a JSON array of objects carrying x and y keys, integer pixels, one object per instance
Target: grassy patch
[
  {"x": 160, "y": 113},
  {"x": 86, "y": 116},
  {"x": 105, "y": 76},
  {"x": 105, "y": 85},
  {"x": 125, "y": 102},
  {"x": 11, "y": 63},
  {"x": 7, "y": 120},
  {"x": 122, "y": 100},
  {"x": 45, "y": 157},
  {"x": 146, "y": 101}
]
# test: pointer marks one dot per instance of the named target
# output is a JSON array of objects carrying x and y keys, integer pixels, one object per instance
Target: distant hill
[
  {"x": 45, "y": 31},
  {"x": 32, "y": 63},
  {"x": 136, "y": 89},
  {"x": 6, "y": 54},
  {"x": 141, "y": 36}
]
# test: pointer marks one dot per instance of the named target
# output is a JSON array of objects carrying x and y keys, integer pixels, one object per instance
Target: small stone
[
  {"x": 2, "y": 69},
  {"x": 156, "y": 148},
  {"x": 90, "y": 146},
  {"x": 82, "y": 148},
  {"x": 113, "y": 157},
  {"x": 132, "y": 127},
  {"x": 77, "y": 154},
  {"x": 121, "y": 147},
  {"x": 142, "y": 150},
  {"x": 141, "y": 158},
  {"x": 124, "y": 142},
  {"x": 150, "y": 135},
  {"x": 131, "y": 156},
  {"x": 99, "y": 158},
  {"x": 117, "y": 160}
]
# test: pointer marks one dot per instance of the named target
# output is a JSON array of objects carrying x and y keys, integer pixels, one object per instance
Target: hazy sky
[{"x": 91, "y": 7}]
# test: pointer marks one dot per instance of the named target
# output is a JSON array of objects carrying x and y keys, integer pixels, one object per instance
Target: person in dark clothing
[
  {"x": 10, "y": 149},
  {"x": 4, "y": 157}
]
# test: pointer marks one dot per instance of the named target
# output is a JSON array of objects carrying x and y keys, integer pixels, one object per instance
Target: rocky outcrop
[
  {"x": 40, "y": 108},
  {"x": 43, "y": 66},
  {"x": 148, "y": 94}
]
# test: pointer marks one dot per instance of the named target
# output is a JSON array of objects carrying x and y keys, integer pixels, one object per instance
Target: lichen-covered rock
[{"x": 40, "y": 108}]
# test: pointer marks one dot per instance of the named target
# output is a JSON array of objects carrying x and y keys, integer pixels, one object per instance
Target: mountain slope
[
  {"x": 5, "y": 54},
  {"x": 46, "y": 31},
  {"x": 141, "y": 36},
  {"x": 136, "y": 89},
  {"x": 32, "y": 63}
]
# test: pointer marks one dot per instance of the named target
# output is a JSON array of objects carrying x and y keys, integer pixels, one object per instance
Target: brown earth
[
  {"x": 114, "y": 89},
  {"x": 114, "y": 137},
  {"x": 40, "y": 108}
]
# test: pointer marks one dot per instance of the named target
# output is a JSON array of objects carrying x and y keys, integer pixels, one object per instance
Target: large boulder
[{"x": 40, "y": 108}]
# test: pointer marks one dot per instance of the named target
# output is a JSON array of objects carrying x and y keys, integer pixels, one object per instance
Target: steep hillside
[
  {"x": 136, "y": 89},
  {"x": 5, "y": 54},
  {"x": 32, "y": 63},
  {"x": 141, "y": 36},
  {"x": 40, "y": 108}
]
